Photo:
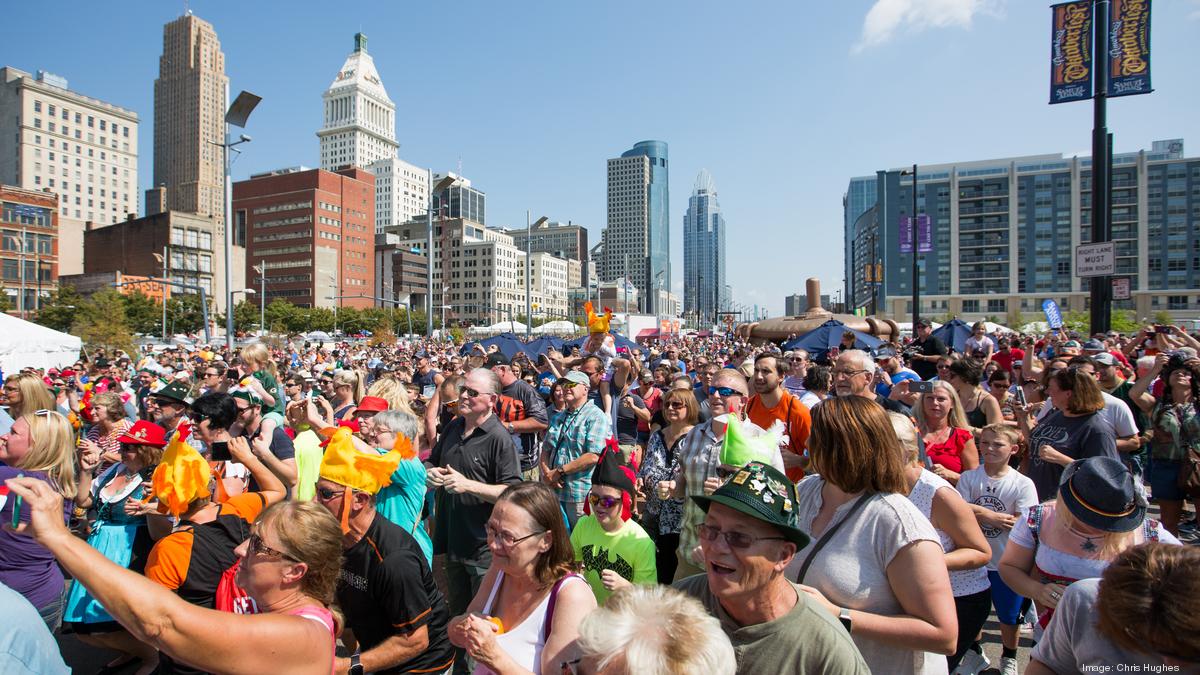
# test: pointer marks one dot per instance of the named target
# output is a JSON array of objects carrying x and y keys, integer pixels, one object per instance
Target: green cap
[{"x": 764, "y": 493}]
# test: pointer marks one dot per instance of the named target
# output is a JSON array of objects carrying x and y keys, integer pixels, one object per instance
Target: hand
[
  {"x": 261, "y": 446},
  {"x": 480, "y": 640},
  {"x": 89, "y": 455},
  {"x": 941, "y": 471},
  {"x": 1050, "y": 594},
  {"x": 45, "y": 510},
  {"x": 664, "y": 489},
  {"x": 239, "y": 450},
  {"x": 435, "y": 477},
  {"x": 821, "y": 599},
  {"x": 612, "y": 581},
  {"x": 453, "y": 481},
  {"x": 137, "y": 507},
  {"x": 1004, "y": 521},
  {"x": 711, "y": 485},
  {"x": 1048, "y": 453},
  {"x": 1160, "y": 362}
]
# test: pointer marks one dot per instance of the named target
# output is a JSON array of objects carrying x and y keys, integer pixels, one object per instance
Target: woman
[
  {"x": 949, "y": 442},
  {"x": 652, "y": 396},
  {"x": 1073, "y": 430},
  {"x": 1000, "y": 387},
  {"x": 125, "y": 528},
  {"x": 347, "y": 392},
  {"x": 393, "y": 391},
  {"x": 403, "y": 500},
  {"x": 881, "y": 559},
  {"x": 558, "y": 401},
  {"x": 1097, "y": 514},
  {"x": 1175, "y": 424},
  {"x": 26, "y": 392},
  {"x": 289, "y": 566},
  {"x": 108, "y": 412},
  {"x": 967, "y": 551},
  {"x": 509, "y": 627},
  {"x": 817, "y": 382},
  {"x": 664, "y": 517},
  {"x": 978, "y": 405},
  {"x": 37, "y": 446}
]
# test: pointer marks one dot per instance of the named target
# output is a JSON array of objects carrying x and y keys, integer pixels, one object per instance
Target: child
[
  {"x": 600, "y": 343},
  {"x": 999, "y": 495}
]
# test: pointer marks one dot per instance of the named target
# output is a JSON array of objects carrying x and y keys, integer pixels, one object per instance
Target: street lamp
[
  {"x": 236, "y": 116},
  {"x": 261, "y": 268},
  {"x": 444, "y": 306},
  {"x": 442, "y": 184}
]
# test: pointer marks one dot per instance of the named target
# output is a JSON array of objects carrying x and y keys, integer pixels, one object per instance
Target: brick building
[
  {"x": 28, "y": 247},
  {"x": 315, "y": 231}
]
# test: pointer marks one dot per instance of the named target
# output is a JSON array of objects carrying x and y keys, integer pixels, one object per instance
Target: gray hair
[
  {"x": 865, "y": 362},
  {"x": 400, "y": 422},
  {"x": 655, "y": 630},
  {"x": 491, "y": 377}
]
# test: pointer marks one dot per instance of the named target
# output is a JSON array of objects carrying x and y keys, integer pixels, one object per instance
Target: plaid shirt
[
  {"x": 572, "y": 434},
  {"x": 700, "y": 457}
]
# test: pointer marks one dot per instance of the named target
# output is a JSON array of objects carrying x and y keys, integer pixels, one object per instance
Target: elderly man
[
  {"x": 573, "y": 445},
  {"x": 854, "y": 375},
  {"x": 749, "y": 535}
]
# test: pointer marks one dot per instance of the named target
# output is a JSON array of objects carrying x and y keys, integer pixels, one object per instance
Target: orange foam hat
[
  {"x": 182, "y": 476},
  {"x": 597, "y": 323},
  {"x": 345, "y": 465}
]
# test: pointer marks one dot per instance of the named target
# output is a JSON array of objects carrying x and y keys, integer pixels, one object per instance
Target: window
[{"x": 970, "y": 306}]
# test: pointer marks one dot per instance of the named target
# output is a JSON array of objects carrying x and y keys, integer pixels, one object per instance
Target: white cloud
[
  {"x": 887, "y": 17},
  {"x": 1194, "y": 15}
]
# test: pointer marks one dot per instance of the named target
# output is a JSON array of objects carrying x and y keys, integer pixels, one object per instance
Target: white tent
[
  {"x": 26, "y": 344},
  {"x": 906, "y": 326},
  {"x": 558, "y": 328},
  {"x": 507, "y": 327},
  {"x": 994, "y": 328}
]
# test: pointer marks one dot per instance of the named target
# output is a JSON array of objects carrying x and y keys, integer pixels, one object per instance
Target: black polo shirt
[
  {"x": 488, "y": 456},
  {"x": 385, "y": 588}
]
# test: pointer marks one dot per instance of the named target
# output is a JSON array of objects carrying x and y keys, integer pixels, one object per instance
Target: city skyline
[{"x": 532, "y": 120}]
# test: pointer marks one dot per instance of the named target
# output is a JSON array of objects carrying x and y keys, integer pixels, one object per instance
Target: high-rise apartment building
[
  {"x": 315, "y": 232},
  {"x": 637, "y": 243},
  {"x": 79, "y": 148},
  {"x": 401, "y": 192},
  {"x": 189, "y": 117},
  {"x": 360, "y": 120},
  {"x": 703, "y": 252},
  {"x": 1004, "y": 234}
]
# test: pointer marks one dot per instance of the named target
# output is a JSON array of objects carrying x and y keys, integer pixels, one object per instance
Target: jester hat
[
  {"x": 363, "y": 471},
  {"x": 745, "y": 444},
  {"x": 597, "y": 323},
  {"x": 182, "y": 476}
]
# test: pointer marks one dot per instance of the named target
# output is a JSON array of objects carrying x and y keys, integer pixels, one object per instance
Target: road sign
[
  {"x": 1120, "y": 288},
  {"x": 1095, "y": 260}
]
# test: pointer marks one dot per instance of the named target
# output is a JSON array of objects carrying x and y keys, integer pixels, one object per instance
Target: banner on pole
[
  {"x": 924, "y": 234},
  {"x": 1129, "y": 48},
  {"x": 1053, "y": 316},
  {"x": 1071, "y": 51}
]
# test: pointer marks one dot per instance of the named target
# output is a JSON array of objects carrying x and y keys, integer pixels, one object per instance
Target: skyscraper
[
  {"x": 637, "y": 242},
  {"x": 703, "y": 252},
  {"x": 360, "y": 119},
  {"x": 189, "y": 115}
]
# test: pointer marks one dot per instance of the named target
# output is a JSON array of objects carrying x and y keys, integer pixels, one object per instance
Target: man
[
  {"x": 1112, "y": 383},
  {"x": 670, "y": 357},
  {"x": 924, "y": 352},
  {"x": 797, "y": 360},
  {"x": 749, "y": 536},
  {"x": 1006, "y": 353},
  {"x": 277, "y": 452},
  {"x": 211, "y": 377},
  {"x": 395, "y": 615},
  {"x": 573, "y": 445},
  {"x": 593, "y": 367},
  {"x": 771, "y": 403},
  {"x": 891, "y": 371},
  {"x": 168, "y": 406},
  {"x": 854, "y": 373},
  {"x": 146, "y": 380},
  {"x": 471, "y": 464},
  {"x": 427, "y": 376},
  {"x": 522, "y": 412},
  {"x": 26, "y": 645}
]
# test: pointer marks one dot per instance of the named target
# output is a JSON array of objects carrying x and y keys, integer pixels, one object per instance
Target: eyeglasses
[
  {"x": 257, "y": 546},
  {"x": 847, "y": 372},
  {"x": 291, "y": 384},
  {"x": 605, "y": 502},
  {"x": 677, "y": 405},
  {"x": 212, "y": 374},
  {"x": 507, "y": 540},
  {"x": 467, "y": 391},
  {"x": 943, "y": 366},
  {"x": 724, "y": 391},
  {"x": 733, "y": 539}
]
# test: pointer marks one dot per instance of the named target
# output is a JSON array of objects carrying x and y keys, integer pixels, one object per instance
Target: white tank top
[
  {"x": 525, "y": 641},
  {"x": 962, "y": 582}
]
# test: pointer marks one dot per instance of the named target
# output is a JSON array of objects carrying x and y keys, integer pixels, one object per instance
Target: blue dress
[{"x": 122, "y": 539}]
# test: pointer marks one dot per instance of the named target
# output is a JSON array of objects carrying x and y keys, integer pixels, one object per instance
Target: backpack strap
[{"x": 546, "y": 626}]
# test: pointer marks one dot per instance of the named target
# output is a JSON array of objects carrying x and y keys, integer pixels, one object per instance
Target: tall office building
[
  {"x": 189, "y": 117},
  {"x": 401, "y": 192},
  {"x": 360, "y": 119},
  {"x": 637, "y": 243},
  {"x": 703, "y": 252},
  {"x": 1004, "y": 234}
]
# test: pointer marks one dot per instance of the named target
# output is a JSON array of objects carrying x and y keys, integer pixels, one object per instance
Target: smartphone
[
  {"x": 1162, "y": 329},
  {"x": 1021, "y": 395},
  {"x": 920, "y": 387},
  {"x": 220, "y": 452}
]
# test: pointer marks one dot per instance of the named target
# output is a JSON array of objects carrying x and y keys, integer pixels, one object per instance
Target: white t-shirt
[
  {"x": 972, "y": 345},
  {"x": 1115, "y": 414},
  {"x": 1011, "y": 493}
]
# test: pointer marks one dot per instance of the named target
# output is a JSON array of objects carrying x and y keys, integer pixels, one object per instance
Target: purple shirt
[{"x": 26, "y": 566}]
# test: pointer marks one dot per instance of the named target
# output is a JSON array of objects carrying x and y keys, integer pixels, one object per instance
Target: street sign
[
  {"x": 1095, "y": 260},
  {"x": 1120, "y": 288}
]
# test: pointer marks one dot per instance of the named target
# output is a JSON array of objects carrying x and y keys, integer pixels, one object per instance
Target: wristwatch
[
  {"x": 356, "y": 667},
  {"x": 843, "y": 616},
  {"x": 510, "y": 428}
]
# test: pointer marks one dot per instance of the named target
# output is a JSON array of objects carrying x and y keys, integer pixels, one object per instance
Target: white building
[
  {"x": 401, "y": 192},
  {"x": 360, "y": 119},
  {"x": 551, "y": 279}
]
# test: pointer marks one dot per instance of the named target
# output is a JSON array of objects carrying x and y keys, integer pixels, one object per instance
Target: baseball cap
[
  {"x": 577, "y": 377},
  {"x": 1105, "y": 359},
  {"x": 1093, "y": 346},
  {"x": 497, "y": 359},
  {"x": 885, "y": 353}
]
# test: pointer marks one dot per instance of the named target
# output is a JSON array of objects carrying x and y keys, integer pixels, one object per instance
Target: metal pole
[
  {"x": 204, "y": 313},
  {"x": 429, "y": 256},
  {"x": 528, "y": 278},
  {"x": 262, "y": 299},
  {"x": 164, "y": 293},
  {"x": 21, "y": 306},
  {"x": 228, "y": 239},
  {"x": 625, "y": 283},
  {"x": 1101, "y": 287},
  {"x": 916, "y": 287}
]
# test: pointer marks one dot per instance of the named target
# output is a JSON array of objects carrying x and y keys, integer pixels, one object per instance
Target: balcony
[
  {"x": 980, "y": 194},
  {"x": 980, "y": 226},
  {"x": 985, "y": 208},
  {"x": 980, "y": 241},
  {"x": 970, "y": 276},
  {"x": 977, "y": 258}
]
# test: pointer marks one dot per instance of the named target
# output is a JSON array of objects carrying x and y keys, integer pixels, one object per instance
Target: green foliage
[
  {"x": 1163, "y": 318},
  {"x": 1015, "y": 319},
  {"x": 58, "y": 310},
  {"x": 319, "y": 318},
  {"x": 143, "y": 314},
  {"x": 245, "y": 316},
  {"x": 6, "y": 304},
  {"x": 100, "y": 322},
  {"x": 1123, "y": 321},
  {"x": 185, "y": 314}
]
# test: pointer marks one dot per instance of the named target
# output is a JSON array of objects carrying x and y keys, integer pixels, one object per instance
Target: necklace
[{"x": 1088, "y": 544}]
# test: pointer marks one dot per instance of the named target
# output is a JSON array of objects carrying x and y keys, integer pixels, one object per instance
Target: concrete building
[
  {"x": 28, "y": 247},
  {"x": 189, "y": 117},
  {"x": 1004, "y": 235},
  {"x": 400, "y": 273},
  {"x": 126, "y": 284},
  {"x": 401, "y": 192},
  {"x": 615, "y": 295},
  {"x": 636, "y": 241},
  {"x": 795, "y": 304},
  {"x": 561, "y": 240},
  {"x": 314, "y": 229},
  {"x": 703, "y": 252},
  {"x": 551, "y": 278},
  {"x": 460, "y": 200},
  {"x": 359, "y": 119}
]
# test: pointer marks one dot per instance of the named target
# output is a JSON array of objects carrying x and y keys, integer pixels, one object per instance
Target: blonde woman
[
  {"x": 26, "y": 392},
  {"x": 949, "y": 441},
  {"x": 39, "y": 445},
  {"x": 348, "y": 390},
  {"x": 391, "y": 390}
]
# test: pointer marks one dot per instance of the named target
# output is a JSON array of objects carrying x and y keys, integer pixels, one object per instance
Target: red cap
[
  {"x": 145, "y": 433},
  {"x": 372, "y": 404}
]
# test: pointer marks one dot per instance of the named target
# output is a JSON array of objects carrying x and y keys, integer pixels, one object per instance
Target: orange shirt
[{"x": 795, "y": 417}]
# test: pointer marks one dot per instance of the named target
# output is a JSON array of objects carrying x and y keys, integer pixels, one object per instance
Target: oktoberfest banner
[
  {"x": 1129, "y": 48},
  {"x": 1071, "y": 52}
]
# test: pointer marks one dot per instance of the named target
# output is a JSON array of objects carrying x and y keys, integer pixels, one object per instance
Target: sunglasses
[
  {"x": 677, "y": 405},
  {"x": 733, "y": 539},
  {"x": 724, "y": 391},
  {"x": 256, "y": 546},
  {"x": 325, "y": 494},
  {"x": 467, "y": 391},
  {"x": 567, "y": 384},
  {"x": 605, "y": 502}
]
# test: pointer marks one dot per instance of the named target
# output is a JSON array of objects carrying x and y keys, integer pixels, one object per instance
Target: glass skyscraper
[
  {"x": 637, "y": 243},
  {"x": 704, "y": 253}
]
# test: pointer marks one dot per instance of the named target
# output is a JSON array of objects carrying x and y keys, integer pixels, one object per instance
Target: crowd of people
[{"x": 697, "y": 505}]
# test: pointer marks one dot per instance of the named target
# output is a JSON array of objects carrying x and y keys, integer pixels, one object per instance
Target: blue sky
[{"x": 783, "y": 102}]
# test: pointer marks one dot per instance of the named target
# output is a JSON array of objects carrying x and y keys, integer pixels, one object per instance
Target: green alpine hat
[
  {"x": 764, "y": 493},
  {"x": 741, "y": 446}
]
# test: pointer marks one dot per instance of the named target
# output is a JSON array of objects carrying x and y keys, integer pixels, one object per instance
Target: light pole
[
  {"x": 444, "y": 305},
  {"x": 333, "y": 288},
  {"x": 162, "y": 258},
  {"x": 261, "y": 268},
  {"x": 21, "y": 299},
  {"x": 442, "y": 184},
  {"x": 916, "y": 288},
  {"x": 528, "y": 267},
  {"x": 236, "y": 116}
]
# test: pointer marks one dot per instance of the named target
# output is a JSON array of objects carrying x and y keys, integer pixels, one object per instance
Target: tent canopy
[
  {"x": 26, "y": 344},
  {"x": 954, "y": 333},
  {"x": 818, "y": 341},
  {"x": 510, "y": 345},
  {"x": 557, "y": 327},
  {"x": 620, "y": 340},
  {"x": 543, "y": 344}
]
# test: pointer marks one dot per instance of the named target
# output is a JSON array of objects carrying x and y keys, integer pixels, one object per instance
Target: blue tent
[
  {"x": 542, "y": 344},
  {"x": 818, "y": 341},
  {"x": 954, "y": 333},
  {"x": 620, "y": 340},
  {"x": 510, "y": 345}
]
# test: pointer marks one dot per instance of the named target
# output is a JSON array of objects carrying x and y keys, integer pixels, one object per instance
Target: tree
[
  {"x": 58, "y": 311},
  {"x": 1015, "y": 319},
  {"x": 1163, "y": 318},
  {"x": 6, "y": 304},
  {"x": 245, "y": 316},
  {"x": 100, "y": 322},
  {"x": 319, "y": 318},
  {"x": 284, "y": 317},
  {"x": 143, "y": 313},
  {"x": 1123, "y": 321},
  {"x": 185, "y": 313}
]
